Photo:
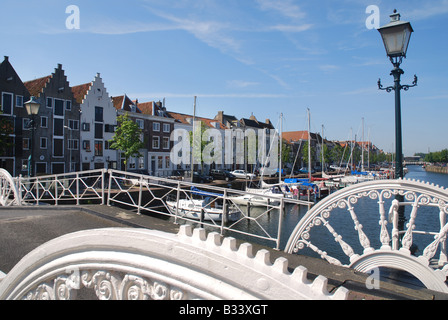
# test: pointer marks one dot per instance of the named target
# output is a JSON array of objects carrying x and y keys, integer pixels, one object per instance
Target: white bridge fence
[{"x": 356, "y": 227}]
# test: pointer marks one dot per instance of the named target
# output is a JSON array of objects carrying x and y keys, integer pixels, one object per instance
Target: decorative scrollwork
[
  {"x": 107, "y": 286},
  {"x": 408, "y": 193}
]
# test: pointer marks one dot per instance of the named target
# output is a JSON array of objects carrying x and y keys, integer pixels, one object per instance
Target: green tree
[
  {"x": 127, "y": 138},
  {"x": 305, "y": 153},
  {"x": 6, "y": 129}
]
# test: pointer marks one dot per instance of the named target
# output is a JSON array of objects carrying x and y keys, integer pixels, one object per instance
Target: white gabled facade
[{"x": 97, "y": 125}]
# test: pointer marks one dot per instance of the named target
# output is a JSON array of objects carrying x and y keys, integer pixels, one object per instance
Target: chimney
[
  {"x": 220, "y": 116},
  {"x": 6, "y": 58}
]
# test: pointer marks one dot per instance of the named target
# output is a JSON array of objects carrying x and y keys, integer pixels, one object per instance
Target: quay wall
[{"x": 437, "y": 169}]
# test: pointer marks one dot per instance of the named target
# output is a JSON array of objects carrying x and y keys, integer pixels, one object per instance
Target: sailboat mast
[
  {"x": 193, "y": 139},
  {"x": 281, "y": 138},
  {"x": 362, "y": 146},
  {"x": 309, "y": 147},
  {"x": 322, "y": 151}
]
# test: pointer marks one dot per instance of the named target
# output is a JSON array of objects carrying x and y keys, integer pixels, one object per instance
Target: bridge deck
[{"x": 23, "y": 229}]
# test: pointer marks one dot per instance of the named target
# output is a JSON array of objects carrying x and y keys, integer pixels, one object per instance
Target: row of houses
[{"x": 74, "y": 126}]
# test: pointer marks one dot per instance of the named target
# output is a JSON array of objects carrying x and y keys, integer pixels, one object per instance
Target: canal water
[{"x": 367, "y": 213}]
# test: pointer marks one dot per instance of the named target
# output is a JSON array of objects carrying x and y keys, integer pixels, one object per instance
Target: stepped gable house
[
  {"x": 57, "y": 134},
  {"x": 97, "y": 125},
  {"x": 15, "y": 148}
]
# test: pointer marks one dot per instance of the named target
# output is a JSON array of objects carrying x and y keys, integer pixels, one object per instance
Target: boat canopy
[
  {"x": 363, "y": 173},
  {"x": 199, "y": 192}
]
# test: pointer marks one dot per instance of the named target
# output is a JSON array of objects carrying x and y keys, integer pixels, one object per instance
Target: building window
[
  {"x": 86, "y": 126},
  {"x": 49, "y": 102},
  {"x": 156, "y": 142},
  {"x": 68, "y": 105},
  {"x": 43, "y": 143},
  {"x": 141, "y": 163},
  {"x": 58, "y": 127},
  {"x": 167, "y": 162},
  {"x": 156, "y": 126},
  {"x": 26, "y": 123},
  {"x": 109, "y": 128},
  {"x": 58, "y": 107},
  {"x": 99, "y": 114},
  {"x": 58, "y": 147},
  {"x": 166, "y": 143},
  {"x": 26, "y": 144},
  {"x": 24, "y": 164},
  {"x": 166, "y": 127},
  {"x": 140, "y": 123},
  {"x": 160, "y": 162},
  {"x": 98, "y": 131},
  {"x": 7, "y": 103},
  {"x": 98, "y": 148},
  {"x": 44, "y": 122},
  {"x": 19, "y": 101},
  {"x": 86, "y": 145},
  {"x": 73, "y": 144},
  {"x": 73, "y": 124}
]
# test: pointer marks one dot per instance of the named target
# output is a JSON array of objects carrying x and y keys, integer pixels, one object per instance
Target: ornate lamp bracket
[{"x": 404, "y": 87}]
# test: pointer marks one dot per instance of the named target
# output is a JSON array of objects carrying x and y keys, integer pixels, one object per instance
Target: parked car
[
  {"x": 242, "y": 174},
  {"x": 221, "y": 175},
  {"x": 201, "y": 178}
]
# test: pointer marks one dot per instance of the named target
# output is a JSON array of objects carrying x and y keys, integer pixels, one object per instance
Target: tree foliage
[
  {"x": 127, "y": 138},
  {"x": 439, "y": 156}
]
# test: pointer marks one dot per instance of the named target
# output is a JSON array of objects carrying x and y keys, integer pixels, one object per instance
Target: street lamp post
[
  {"x": 396, "y": 35},
  {"x": 32, "y": 108}
]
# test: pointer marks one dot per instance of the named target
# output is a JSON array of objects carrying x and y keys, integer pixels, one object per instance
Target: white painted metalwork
[
  {"x": 63, "y": 188},
  {"x": 376, "y": 240},
  {"x": 140, "y": 264},
  {"x": 9, "y": 194},
  {"x": 148, "y": 194}
]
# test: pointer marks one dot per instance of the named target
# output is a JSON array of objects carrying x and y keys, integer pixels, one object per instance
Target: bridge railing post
[{"x": 280, "y": 222}]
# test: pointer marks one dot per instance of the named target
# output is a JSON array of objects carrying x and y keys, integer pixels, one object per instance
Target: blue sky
[{"x": 266, "y": 57}]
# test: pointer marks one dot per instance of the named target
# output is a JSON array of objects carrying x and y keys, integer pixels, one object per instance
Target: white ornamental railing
[
  {"x": 359, "y": 227},
  {"x": 140, "y": 264},
  {"x": 162, "y": 196},
  {"x": 9, "y": 194}
]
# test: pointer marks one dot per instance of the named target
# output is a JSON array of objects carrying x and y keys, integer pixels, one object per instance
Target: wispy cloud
[
  {"x": 241, "y": 84},
  {"x": 151, "y": 95},
  {"x": 328, "y": 67},
  {"x": 291, "y": 28},
  {"x": 428, "y": 9},
  {"x": 286, "y": 8}
]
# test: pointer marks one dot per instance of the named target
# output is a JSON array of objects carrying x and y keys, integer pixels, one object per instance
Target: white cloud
[
  {"x": 156, "y": 95},
  {"x": 328, "y": 67},
  {"x": 285, "y": 7},
  {"x": 241, "y": 83},
  {"x": 428, "y": 10},
  {"x": 291, "y": 28}
]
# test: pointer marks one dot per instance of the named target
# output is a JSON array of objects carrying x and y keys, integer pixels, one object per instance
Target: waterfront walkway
[{"x": 24, "y": 229}]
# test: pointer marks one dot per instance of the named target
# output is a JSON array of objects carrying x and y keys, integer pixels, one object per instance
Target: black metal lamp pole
[
  {"x": 32, "y": 108},
  {"x": 396, "y": 36},
  {"x": 396, "y": 73}
]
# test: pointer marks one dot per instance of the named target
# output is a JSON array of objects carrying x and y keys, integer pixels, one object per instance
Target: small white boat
[
  {"x": 207, "y": 209},
  {"x": 254, "y": 200},
  {"x": 260, "y": 197}
]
